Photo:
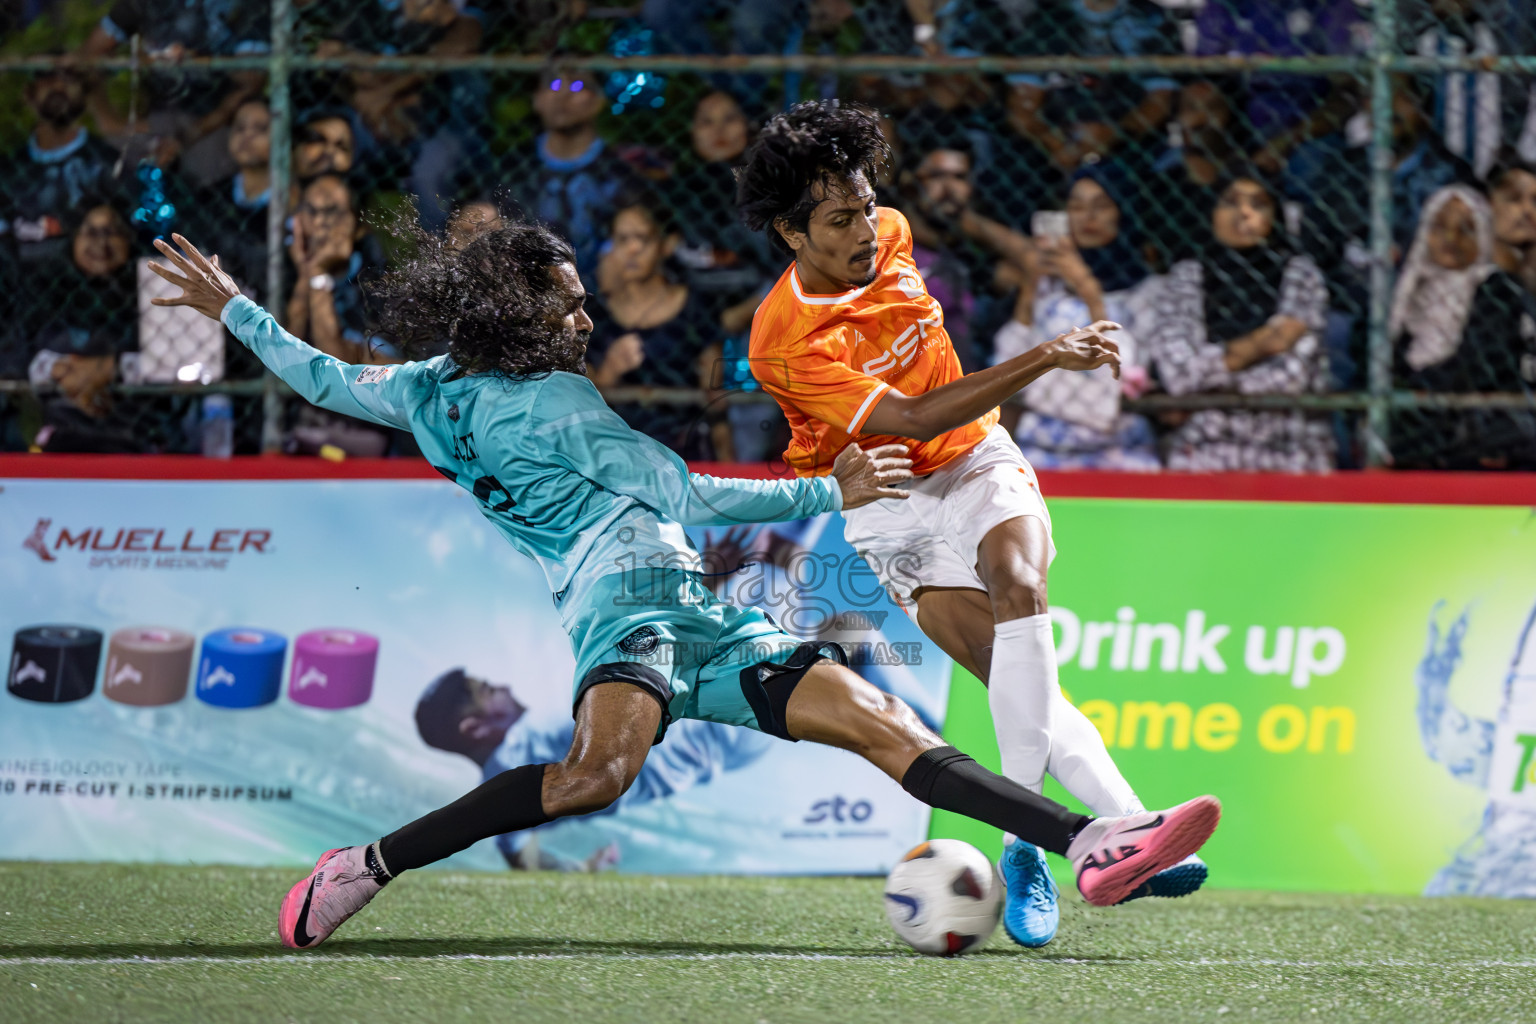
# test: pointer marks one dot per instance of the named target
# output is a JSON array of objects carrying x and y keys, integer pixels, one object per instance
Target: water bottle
[{"x": 218, "y": 427}]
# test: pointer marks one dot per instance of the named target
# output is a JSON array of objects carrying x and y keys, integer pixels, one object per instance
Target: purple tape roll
[{"x": 333, "y": 668}]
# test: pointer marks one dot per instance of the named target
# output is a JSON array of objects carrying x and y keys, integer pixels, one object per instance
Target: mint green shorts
[{"x": 701, "y": 658}]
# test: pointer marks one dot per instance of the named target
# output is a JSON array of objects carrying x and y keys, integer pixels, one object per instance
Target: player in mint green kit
[{"x": 508, "y": 415}]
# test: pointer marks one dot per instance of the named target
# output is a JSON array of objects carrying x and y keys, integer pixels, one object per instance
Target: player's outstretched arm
[
  {"x": 373, "y": 393},
  {"x": 583, "y": 434},
  {"x": 957, "y": 403}
]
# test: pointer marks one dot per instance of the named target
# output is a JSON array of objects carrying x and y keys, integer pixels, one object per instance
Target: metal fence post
[
  {"x": 1379, "y": 347},
  {"x": 277, "y": 204}
]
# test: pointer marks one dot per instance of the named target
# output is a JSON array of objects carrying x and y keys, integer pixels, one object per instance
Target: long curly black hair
[
  {"x": 495, "y": 303},
  {"x": 813, "y": 142}
]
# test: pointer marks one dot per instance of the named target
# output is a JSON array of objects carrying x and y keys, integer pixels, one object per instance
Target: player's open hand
[
  {"x": 1084, "y": 348},
  {"x": 204, "y": 285},
  {"x": 867, "y": 475}
]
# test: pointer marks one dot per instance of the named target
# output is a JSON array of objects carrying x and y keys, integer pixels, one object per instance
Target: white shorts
[{"x": 930, "y": 539}]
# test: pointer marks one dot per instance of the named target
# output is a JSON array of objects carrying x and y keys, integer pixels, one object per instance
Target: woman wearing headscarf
[
  {"x": 1459, "y": 323},
  {"x": 1244, "y": 316},
  {"x": 1097, "y": 271}
]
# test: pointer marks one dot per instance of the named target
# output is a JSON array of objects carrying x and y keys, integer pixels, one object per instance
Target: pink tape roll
[
  {"x": 148, "y": 666},
  {"x": 333, "y": 668}
]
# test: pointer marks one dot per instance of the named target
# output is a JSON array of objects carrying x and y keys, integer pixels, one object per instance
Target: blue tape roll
[{"x": 241, "y": 667}]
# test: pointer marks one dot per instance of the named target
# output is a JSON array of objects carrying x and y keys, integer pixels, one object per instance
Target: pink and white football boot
[
  {"x": 342, "y": 883},
  {"x": 1113, "y": 856}
]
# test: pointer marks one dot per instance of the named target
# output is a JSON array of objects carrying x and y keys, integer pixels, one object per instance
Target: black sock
[
  {"x": 503, "y": 803},
  {"x": 951, "y": 781}
]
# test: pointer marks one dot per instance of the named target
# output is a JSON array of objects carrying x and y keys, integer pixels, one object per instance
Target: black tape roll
[{"x": 54, "y": 664}]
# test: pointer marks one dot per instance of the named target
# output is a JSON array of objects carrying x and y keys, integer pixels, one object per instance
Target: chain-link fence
[{"x": 1316, "y": 220}]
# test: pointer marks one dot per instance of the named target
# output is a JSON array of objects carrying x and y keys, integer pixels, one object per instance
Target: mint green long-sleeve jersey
[{"x": 555, "y": 470}]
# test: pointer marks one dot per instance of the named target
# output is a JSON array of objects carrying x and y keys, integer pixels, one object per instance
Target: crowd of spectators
[{"x": 1223, "y": 220}]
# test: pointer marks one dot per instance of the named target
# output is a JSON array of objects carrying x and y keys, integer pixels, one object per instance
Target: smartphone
[{"x": 1048, "y": 224}]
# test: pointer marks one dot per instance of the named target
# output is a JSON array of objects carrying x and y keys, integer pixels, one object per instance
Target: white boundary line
[{"x": 322, "y": 959}]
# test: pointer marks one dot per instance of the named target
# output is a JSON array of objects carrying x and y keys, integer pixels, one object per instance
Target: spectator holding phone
[{"x": 1087, "y": 265}]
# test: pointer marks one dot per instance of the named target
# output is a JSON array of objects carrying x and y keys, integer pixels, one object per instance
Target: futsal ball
[{"x": 944, "y": 898}]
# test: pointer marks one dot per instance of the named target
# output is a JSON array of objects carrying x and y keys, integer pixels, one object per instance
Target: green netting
[{"x": 1295, "y": 320}]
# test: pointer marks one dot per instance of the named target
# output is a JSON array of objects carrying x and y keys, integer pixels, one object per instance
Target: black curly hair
[
  {"x": 494, "y": 303},
  {"x": 813, "y": 142}
]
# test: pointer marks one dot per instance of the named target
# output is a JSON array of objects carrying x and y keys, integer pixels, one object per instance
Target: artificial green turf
[{"x": 586, "y": 950}]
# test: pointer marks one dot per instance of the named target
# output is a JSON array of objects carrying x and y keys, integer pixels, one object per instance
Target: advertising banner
[
  {"x": 251, "y": 672},
  {"x": 1357, "y": 683}
]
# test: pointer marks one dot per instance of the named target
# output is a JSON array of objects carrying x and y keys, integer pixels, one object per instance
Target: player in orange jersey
[{"x": 854, "y": 348}]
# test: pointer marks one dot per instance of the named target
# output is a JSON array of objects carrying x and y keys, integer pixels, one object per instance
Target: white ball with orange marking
[{"x": 944, "y": 898}]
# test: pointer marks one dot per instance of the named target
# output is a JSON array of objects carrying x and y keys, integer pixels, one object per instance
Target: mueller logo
[
  {"x": 145, "y": 540},
  {"x": 38, "y": 542},
  {"x": 838, "y": 809}
]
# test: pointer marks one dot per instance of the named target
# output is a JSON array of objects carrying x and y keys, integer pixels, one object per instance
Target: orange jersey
[{"x": 829, "y": 359}]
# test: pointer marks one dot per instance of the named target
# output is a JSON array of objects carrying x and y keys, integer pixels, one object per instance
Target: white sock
[
  {"x": 1038, "y": 730},
  {"x": 1084, "y": 768},
  {"x": 1023, "y": 694}
]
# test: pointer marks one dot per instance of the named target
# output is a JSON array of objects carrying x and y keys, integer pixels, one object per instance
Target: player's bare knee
[
  {"x": 892, "y": 725},
  {"x": 584, "y": 787},
  {"x": 981, "y": 657},
  {"x": 1019, "y": 597}
]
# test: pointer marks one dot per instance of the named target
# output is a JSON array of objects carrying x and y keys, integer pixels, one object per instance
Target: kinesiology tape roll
[
  {"x": 241, "y": 667},
  {"x": 332, "y": 668},
  {"x": 54, "y": 664},
  {"x": 148, "y": 666}
]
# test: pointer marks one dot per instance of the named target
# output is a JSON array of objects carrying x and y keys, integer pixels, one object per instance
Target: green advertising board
[{"x": 1278, "y": 655}]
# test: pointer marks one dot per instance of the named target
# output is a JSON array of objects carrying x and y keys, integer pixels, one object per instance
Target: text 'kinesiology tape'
[
  {"x": 241, "y": 667},
  {"x": 148, "y": 666},
  {"x": 54, "y": 664},
  {"x": 333, "y": 668}
]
